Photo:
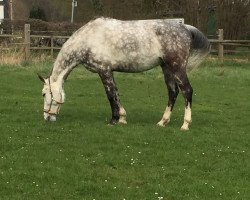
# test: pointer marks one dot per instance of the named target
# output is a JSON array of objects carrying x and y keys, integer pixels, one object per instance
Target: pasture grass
[{"x": 81, "y": 157}]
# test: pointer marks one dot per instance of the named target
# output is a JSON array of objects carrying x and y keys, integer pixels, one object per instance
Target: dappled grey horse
[{"x": 105, "y": 45}]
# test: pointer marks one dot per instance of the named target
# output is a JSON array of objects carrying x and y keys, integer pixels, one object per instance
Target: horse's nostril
[{"x": 47, "y": 118}]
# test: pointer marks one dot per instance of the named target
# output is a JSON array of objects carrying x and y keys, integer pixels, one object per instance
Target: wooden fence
[
  {"x": 26, "y": 42},
  {"x": 217, "y": 44},
  {"x": 221, "y": 43}
]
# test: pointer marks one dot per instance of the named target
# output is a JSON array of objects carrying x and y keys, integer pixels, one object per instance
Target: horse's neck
[
  {"x": 57, "y": 73},
  {"x": 61, "y": 69}
]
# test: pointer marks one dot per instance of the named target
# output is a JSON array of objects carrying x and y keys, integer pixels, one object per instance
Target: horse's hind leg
[
  {"x": 187, "y": 91},
  {"x": 118, "y": 112},
  {"x": 173, "y": 92}
]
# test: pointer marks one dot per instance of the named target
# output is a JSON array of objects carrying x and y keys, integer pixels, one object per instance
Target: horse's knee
[
  {"x": 189, "y": 93},
  {"x": 190, "y": 90}
]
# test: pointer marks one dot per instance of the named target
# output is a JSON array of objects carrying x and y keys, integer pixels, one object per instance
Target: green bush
[{"x": 37, "y": 13}]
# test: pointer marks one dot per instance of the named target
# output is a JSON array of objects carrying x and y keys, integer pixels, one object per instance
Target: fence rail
[{"x": 50, "y": 43}]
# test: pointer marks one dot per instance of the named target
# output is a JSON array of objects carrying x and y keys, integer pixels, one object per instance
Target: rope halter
[{"x": 60, "y": 102}]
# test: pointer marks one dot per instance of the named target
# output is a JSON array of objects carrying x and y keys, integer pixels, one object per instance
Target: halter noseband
[{"x": 52, "y": 99}]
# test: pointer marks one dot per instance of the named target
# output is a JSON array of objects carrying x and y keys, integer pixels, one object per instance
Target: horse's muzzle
[{"x": 48, "y": 117}]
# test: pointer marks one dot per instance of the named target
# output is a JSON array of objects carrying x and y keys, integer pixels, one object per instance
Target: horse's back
[{"x": 127, "y": 45}]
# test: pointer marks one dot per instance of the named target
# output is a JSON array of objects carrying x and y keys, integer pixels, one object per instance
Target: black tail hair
[{"x": 200, "y": 47}]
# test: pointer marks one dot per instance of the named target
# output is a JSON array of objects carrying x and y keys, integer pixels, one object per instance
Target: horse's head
[{"x": 54, "y": 97}]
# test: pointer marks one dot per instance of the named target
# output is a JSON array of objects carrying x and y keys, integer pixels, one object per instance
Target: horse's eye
[{"x": 43, "y": 95}]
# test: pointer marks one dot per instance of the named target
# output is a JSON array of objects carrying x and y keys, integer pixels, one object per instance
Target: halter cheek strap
[{"x": 52, "y": 99}]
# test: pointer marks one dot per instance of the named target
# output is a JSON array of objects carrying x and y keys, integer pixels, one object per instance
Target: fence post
[
  {"x": 52, "y": 46},
  {"x": 221, "y": 47},
  {"x": 27, "y": 40},
  {"x": 249, "y": 54}
]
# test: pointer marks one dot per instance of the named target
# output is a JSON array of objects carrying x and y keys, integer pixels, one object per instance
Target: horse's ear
[{"x": 41, "y": 78}]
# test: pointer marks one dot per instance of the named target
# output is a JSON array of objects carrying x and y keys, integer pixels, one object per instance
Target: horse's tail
[{"x": 200, "y": 47}]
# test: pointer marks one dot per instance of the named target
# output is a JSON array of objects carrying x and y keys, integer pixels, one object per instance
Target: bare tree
[{"x": 232, "y": 16}]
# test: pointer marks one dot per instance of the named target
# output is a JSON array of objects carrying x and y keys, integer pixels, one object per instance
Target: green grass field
[{"x": 81, "y": 157}]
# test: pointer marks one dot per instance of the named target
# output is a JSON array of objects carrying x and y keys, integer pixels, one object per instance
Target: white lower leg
[
  {"x": 166, "y": 117},
  {"x": 122, "y": 119},
  {"x": 187, "y": 118}
]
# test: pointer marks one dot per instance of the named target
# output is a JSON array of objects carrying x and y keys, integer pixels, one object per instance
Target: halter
[{"x": 52, "y": 99}]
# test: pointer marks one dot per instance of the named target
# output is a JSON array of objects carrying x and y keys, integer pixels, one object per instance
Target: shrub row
[{"x": 40, "y": 27}]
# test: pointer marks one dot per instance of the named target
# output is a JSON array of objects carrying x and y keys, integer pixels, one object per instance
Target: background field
[{"x": 80, "y": 157}]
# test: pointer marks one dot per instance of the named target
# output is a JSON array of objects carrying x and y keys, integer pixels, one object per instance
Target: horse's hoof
[
  {"x": 122, "y": 121},
  {"x": 160, "y": 124},
  {"x": 163, "y": 123},
  {"x": 183, "y": 128},
  {"x": 113, "y": 122}
]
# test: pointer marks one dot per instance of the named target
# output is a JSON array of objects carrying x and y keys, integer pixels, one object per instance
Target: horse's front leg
[{"x": 118, "y": 112}]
